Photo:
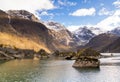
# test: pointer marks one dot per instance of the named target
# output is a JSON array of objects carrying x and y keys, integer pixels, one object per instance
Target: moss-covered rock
[
  {"x": 87, "y": 58},
  {"x": 88, "y": 52}
]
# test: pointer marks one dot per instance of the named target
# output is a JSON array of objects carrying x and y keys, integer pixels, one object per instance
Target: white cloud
[
  {"x": 84, "y": 12},
  {"x": 75, "y": 27},
  {"x": 106, "y": 24},
  {"x": 61, "y": 3},
  {"x": 66, "y": 3},
  {"x": 110, "y": 22},
  {"x": 104, "y": 11},
  {"x": 71, "y": 3},
  {"x": 45, "y": 13},
  {"x": 29, "y": 5},
  {"x": 117, "y": 3},
  {"x": 41, "y": 14}
]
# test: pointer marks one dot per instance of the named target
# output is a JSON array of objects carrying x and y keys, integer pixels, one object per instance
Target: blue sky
[
  {"x": 104, "y": 14},
  {"x": 62, "y": 13},
  {"x": 97, "y": 11}
]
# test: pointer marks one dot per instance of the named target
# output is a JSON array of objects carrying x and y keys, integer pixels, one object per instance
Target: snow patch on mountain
[
  {"x": 54, "y": 26},
  {"x": 96, "y": 30},
  {"x": 22, "y": 14},
  {"x": 116, "y": 31},
  {"x": 83, "y": 35}
]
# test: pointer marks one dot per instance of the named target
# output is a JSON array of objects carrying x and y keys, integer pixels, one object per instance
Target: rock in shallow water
[
  {"x": 86, "y": 62},
  {"x": 87, "y": 58}
]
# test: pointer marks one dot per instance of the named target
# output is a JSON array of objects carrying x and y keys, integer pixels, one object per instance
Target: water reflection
[{"x": 87, "y": 70}]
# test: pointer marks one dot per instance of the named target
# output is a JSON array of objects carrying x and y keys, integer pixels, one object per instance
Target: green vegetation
[
  {"x": 87, "y": 58},
  {"x": 88, "y": 52}
]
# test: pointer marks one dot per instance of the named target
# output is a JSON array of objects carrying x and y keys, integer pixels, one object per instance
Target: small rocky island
[{"x": 87, "y": 58}]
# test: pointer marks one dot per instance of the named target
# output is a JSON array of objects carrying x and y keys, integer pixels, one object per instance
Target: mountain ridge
[{"x": 19, "y": 25}]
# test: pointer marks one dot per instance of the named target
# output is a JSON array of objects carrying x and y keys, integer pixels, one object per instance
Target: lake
[{"x": 56, "y": 70}]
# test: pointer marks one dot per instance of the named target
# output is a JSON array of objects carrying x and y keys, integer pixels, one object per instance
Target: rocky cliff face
[
  {"x": 22, "y": 33},
  {"x": 23, "y": 30},
  {"x": 61, "y": 37},
  {"x": 22, "y": 14},
  {"x": 101, "y": 41},
  {"x": 83, "y": 35}
]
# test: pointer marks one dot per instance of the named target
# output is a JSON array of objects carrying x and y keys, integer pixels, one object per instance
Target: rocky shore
[
  {"x": 9, "y": 53},
  {"x": 86, "y": 62},
  {"x": 87, "y": 58}
]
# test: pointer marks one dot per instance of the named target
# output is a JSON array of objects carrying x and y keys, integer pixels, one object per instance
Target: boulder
[{"x": 87, "y": 58}]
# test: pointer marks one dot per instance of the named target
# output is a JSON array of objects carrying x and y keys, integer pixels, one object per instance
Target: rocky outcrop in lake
[{"x": 87, "y": 58}]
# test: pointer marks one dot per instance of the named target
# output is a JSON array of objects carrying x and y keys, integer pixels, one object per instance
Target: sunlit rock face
[
  {"x": 19, "y": 31},
  {"x": 23, "y": 14},
  {"x": 25, "y": 28},
  {"x": 61, "y": 36}
]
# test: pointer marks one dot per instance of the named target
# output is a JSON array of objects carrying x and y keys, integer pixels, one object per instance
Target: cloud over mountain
[
  {"x": 111, "y": 21},
  {"x": 117, "y": 3},
  {"x": 29, "y": 5}
]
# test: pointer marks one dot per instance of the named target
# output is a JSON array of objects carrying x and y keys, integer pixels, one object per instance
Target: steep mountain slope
[
  {"x": 54, "y": 26},
  {"x": 22, "y": 29},
  {"x": 60, "y": 36},
  {"x": 83, "y": 35},
  {"x": 22, "y": 33},
  {"x": 116, "y": 31},
  {"x": 101, "y": 41},
  {"x": 22, "y": 14},
  {"x": 114, "y": 47},
  {"x": 96, "y": 30}
]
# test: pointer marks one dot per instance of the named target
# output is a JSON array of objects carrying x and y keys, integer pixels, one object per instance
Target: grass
[{"x": 20, "y": 42}]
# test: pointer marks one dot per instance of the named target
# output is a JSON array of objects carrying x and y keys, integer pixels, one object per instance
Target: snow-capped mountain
[
  {"x": 96, "y": 30},
  {"x": 23, "y": 14},
  {"x": 54, "y": 26},
  {"x": 60, "y": 34},
  {"x": 116, "y": 31},
  {"x": 83, "y": 35}
]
